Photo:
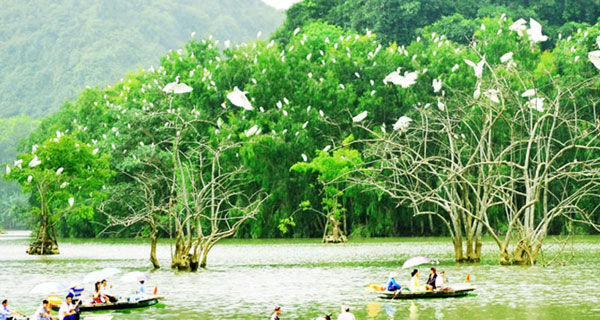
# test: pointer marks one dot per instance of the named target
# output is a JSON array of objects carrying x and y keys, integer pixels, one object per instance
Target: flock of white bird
[{"x": 406, "y": 79}]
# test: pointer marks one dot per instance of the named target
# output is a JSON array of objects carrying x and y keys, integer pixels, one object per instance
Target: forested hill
[
  {"x": 400, "y": 20},
  {"x": 50, "y": 50}
]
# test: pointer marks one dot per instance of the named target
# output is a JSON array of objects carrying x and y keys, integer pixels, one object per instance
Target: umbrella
[
  {"x": 415, "y": 262},
  {"x": 48, "y": 288},
  {"x": 101, "y": 274},
  {"x": 135, "y": 276}
]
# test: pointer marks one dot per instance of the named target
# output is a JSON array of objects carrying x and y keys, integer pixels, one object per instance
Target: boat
[
  {"x": 448, "y": 293},
  {"x": 146, "y": 302}
]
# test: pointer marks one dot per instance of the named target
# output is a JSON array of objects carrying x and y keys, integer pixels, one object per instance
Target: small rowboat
[
  {"x": 118, "y": 305},
  {"x": 121, "y": 305},
  {"x": 450, "y": 293}
]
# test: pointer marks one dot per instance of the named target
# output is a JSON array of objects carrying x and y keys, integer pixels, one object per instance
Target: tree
[
  {"x": 330, "y": 168},
  {"x": 65, "y": 177}
]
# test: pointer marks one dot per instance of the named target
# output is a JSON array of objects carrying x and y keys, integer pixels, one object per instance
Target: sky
[{"x": 280, "y": 4}]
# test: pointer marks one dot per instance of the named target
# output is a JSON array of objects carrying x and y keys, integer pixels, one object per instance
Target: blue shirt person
[{"x": 392, "y": 285}]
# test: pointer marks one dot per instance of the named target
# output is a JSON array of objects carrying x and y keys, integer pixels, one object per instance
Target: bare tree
[{"x": 525, "y": 160}]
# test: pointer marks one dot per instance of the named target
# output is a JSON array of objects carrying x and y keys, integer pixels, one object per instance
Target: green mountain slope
[{"x": 50, "y": 50}]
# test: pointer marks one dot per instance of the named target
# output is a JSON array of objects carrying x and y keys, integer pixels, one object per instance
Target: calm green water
[{"x": 247, "y": 278}]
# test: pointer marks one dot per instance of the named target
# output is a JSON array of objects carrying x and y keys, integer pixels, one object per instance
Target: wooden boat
[
  {"x": 450, "y": 293},
  {"x": 121, "y": 305},
  {"x": 146, "y": 302}
]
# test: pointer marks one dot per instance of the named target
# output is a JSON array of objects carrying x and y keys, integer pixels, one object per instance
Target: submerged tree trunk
[
  {"x": 153, "y": 242},
  {"x": 45, "y": 240}
]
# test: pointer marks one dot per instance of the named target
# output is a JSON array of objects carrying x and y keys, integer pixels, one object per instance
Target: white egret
[
  {"x": 95, "y": 151},
  {"x": 437, "y": 85},
  {"x": 478, "y": 68},
  {"x": 518, "y": 26},
  {"x": 7, "y": 169},
  {"x": 537, "y": 104},
  {"x": 594, "y": 57},
  {"x": 34, "y": 162},
  {"x": 71, "y": 201},
  {"x": 304, "y": 157},
  {"x": 251, "y": 131},
  {"x": 238, "y": 98},
  {"x": 492, "y": 94},
  {"x": 535, "y": 32},
  {"x": 327, "y": 147},
  {"x": 304, "y": 125},
  {"x": 177, "y": 88},
  {"x": 477, "y": 91},
  {"x": 441, "y": 105},
  {"x": 296, "y": 31},
  {"x": 454, "y": 68},
  {"x": 18, "y": 163},
  {"x": 506, "y": 57},
  {"x": 402, "y": 123},
  {"x": 60, "y": 170},
  {"x": 29, "y": 178},
  {"x": 360, "y": 117},
  {"x": 528, "y": 93},
  {"x": 407, "y": 80}
]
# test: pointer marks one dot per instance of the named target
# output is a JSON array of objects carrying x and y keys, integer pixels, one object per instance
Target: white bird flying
[
  {"x": 238, "y": 98},
  {"x": 360, "y": 117},
  {"x": 402, "y": 123},
  {"x": 478, "y": 68},
  {"x": 437, "y": 85},
  {"x": 535, "y": 32},
  {"x": 506, "y": 57},
  {"x": 518, "y": 26},
  {"x": 34, "y": 162},
  {"x": 537, "y": 104},
  {"x": 18, "y": 163},
  {"x": 177, "y": 88},
  {"x": 594, "y": 57},
  {"x": 528, "y": 93},
  {"x": 492, "y": 94},
  {"x": 407, "y": 80}
]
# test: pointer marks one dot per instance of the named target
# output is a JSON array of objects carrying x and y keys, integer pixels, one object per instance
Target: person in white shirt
[
  {"x": 67, "y": 310},
  {"x": 43, "y": 313},
  {"x": 105, "y": 290},
  {"x": 440, "y": 281},
  {"x": 346, "y": 314}
]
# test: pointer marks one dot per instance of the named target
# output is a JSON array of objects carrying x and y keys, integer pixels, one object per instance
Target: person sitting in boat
[
  {"x": 97, "y": 297},
  {"x": 325, "y": 317},
  {"x": 106, "y": 291},
  {"x": 440, "y": 281},
  {"x": 76, "y": 292},
  {"x": 140, "y": 293},
  {"x": 43, "y": 312},
  {"x": 276, "y": 313},
  {"x": 392, "y": 285},
  {"x": 346, "y": 314},
  {"x": 68, "y": 310},
  {"x": 414, "y": 282},
  {"x": 431, "y": 280},
  {"x": 7, "y": 314}
]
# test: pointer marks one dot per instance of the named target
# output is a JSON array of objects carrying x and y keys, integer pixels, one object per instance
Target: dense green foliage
[
  {"x": 305, "y": 92},
  {"x": 53, "y": 49},
  {"x": 400, "y": 20}
]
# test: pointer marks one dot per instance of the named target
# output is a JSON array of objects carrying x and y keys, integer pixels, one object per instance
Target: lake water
[{"x": 246, "y": 279}]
